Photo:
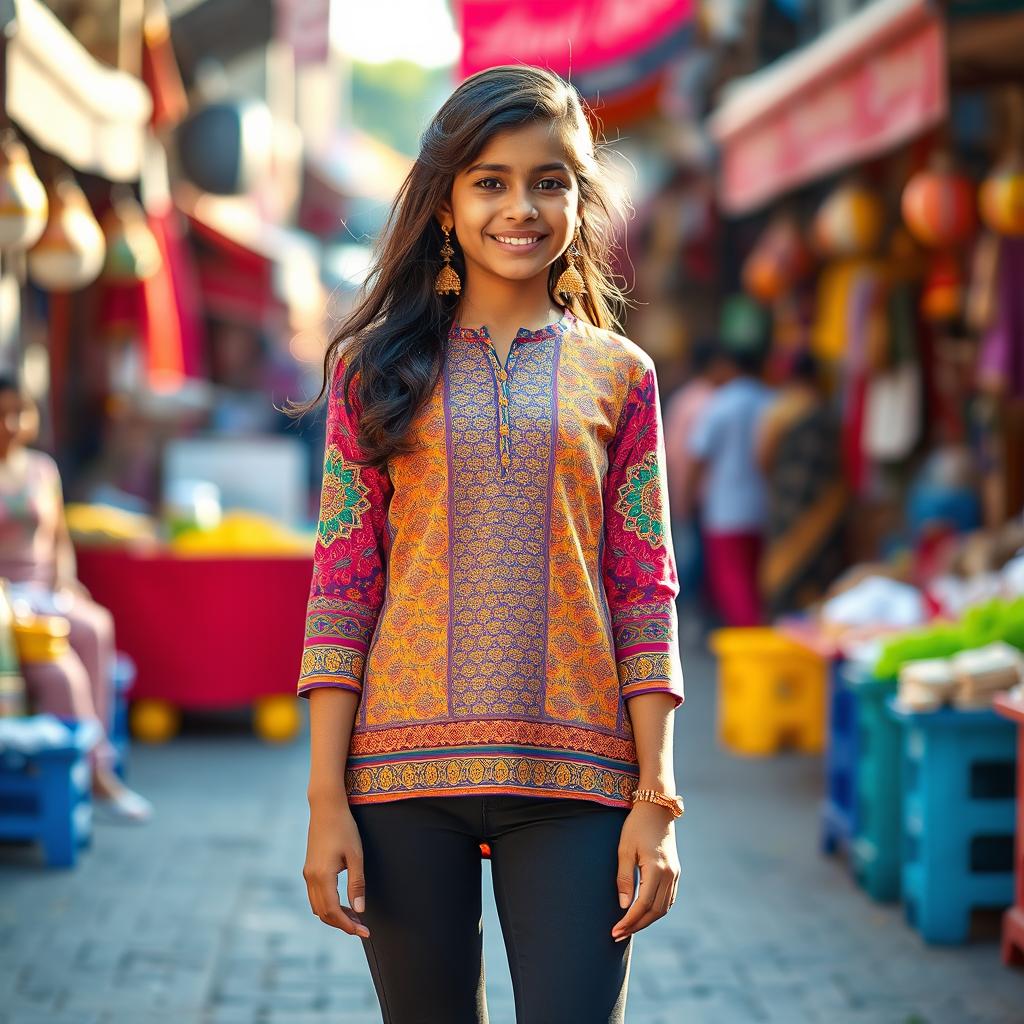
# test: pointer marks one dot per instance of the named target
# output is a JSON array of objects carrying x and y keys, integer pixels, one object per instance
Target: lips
[{"x": 518, "y": 242}]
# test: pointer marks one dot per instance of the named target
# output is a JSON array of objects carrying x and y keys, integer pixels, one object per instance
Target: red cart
[{"x": 205, "y": 632}]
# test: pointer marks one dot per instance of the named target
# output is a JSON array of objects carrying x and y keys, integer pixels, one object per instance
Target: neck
[{"x": 503, "y": 304}]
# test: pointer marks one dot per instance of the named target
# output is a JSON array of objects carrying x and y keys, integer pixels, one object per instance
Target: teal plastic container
[{"x": 875, "y": 853}]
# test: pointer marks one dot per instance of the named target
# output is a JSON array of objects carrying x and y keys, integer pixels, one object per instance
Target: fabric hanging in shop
[
  {"x": 160, "y": 70},
  {"x": 1001, "y": 361},
  {"x": 607, "y": 47},
  {"x": 162, "y": 310},
  {"x": 93, "y": 117},
  {"x": 873, "y": 81},
  {"x": 174, "y": 342}
]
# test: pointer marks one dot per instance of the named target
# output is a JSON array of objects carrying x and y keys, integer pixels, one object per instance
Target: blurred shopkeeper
[
  {"x": 733, "y": 497},
  {"x": 799, "y": 451},
  {"x": 38, "y": 560},
  {"x": 683, "y": 410}
]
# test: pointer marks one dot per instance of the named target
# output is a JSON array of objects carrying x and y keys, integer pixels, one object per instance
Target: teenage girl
[{"x": 491, "y": 652}]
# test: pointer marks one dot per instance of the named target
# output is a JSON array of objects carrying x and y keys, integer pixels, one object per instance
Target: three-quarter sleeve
[
  {"x": 638, "y": 563},
  {"x": 350, "y": 558}
]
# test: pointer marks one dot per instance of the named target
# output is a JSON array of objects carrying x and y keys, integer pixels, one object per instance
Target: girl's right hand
[{"x": 333, "y": 845}]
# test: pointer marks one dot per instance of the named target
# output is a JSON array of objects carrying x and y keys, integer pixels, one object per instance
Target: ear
[{"x": 443, "y": 214}]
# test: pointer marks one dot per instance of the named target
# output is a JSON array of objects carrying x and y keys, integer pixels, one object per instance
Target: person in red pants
[{"x": 732, "y": 492}]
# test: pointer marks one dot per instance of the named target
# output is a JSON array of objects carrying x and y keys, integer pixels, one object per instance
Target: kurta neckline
[{"x": 568, "y": 318}]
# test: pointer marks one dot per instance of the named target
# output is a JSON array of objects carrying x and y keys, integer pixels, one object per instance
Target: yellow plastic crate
[
  {"x": 771, "y": 692},
  {"x": 42, "y": 638}
]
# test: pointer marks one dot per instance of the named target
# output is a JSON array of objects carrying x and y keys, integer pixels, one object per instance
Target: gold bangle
[{"x": 672, "y": 801}]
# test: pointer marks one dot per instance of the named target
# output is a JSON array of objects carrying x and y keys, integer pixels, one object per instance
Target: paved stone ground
[{"x": 201, "y": 917}]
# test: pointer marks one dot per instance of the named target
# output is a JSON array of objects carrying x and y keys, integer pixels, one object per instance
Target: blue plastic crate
[
  {"x": 46, "y": 784},
  {"x": 123, "y": 679},
  {"x": 959, "y": 806},
  {"x": 839, "y": 808}
]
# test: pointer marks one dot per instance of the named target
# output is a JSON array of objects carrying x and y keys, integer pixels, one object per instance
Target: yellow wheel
[
  {"x": 154, "y": 721},
  {"x": 276, "y": 718}
]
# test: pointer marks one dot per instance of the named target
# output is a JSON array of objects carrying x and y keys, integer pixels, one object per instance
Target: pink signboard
[
  {"x": 850, "y": 110},
  {"x": 568, "y": 36}
]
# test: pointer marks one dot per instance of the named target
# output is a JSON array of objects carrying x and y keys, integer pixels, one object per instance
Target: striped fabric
[{"x": 499, "y": 595}]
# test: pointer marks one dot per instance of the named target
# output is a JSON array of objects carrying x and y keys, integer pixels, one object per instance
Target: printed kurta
[{"x": 499, "y": 595}]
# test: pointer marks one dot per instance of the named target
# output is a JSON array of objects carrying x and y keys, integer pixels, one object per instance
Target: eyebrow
[{"x": 505, "y": 169}]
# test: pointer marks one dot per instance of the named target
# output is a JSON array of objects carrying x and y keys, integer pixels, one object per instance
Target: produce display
[
  {"x": 243, "y": 533},
  {"x": 237, "y": 532},
  {"x": 107, "y": 524}
]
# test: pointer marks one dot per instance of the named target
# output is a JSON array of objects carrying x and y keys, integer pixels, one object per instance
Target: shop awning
[
  {"x": 604, "y": 46},
  {"x": 251, "y": 271},
  {"x": 92, "y": 116},
  {"x": 872, "y": 82}
]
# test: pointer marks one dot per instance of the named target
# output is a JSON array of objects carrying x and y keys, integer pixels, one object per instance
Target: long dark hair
[{"x": 397, "y": 332}]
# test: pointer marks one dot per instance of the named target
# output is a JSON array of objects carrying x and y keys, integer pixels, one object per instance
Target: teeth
[{"x": 517, "y": 241}]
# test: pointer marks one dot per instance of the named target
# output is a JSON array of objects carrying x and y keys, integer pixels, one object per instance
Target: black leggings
[{"x": 553, "y": 861}]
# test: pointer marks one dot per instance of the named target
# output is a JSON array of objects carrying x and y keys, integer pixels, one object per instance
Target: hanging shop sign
[
  {"x": 874, "y": 81},
  {"x": 604, "y": 46},
  {"x": 305, "y": 26}
]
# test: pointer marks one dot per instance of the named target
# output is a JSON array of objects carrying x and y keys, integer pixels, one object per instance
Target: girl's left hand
[{"x": 647, "y": 840}]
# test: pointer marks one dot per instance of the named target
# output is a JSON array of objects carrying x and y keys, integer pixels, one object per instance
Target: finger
[
  {"x": 624, "y": 878},
  {"x": 356, "y": 883},
  {"x": 675, "y": 893},
  {"x": 654, "y": 910},
  {"x": 330, "y": 908},
  {"x": 660, "y": 907},
  {"x": 646, "y": 889}
]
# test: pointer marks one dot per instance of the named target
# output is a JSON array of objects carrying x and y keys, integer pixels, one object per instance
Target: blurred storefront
[
  {"x": 150, "y": 261},
  {"x": 870, "y": 183}
]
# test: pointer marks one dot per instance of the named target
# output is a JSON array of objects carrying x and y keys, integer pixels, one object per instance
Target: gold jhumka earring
[
  {"x": 571, "y": 282},
  {"x": 447, "y": 281}
]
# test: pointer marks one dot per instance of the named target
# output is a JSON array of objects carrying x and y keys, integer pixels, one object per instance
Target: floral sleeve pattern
[
  {"x": 638, "y": 564},
  {"x": 349, "y": 561}
]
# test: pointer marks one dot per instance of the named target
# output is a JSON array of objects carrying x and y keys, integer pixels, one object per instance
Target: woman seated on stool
[{"x": 37, "y": 557}]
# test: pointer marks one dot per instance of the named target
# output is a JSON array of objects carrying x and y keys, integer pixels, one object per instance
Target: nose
[{"x": 520, "y": 204}]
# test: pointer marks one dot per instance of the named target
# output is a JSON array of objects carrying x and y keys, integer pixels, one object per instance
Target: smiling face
[{"x": 514, "y": 209}]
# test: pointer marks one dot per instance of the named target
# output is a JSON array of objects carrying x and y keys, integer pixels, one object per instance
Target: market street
[{"x": 201, "y": 917}]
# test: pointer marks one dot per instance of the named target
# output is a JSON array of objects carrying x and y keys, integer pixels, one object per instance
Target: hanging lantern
[
  {"x": 132, "y": 251},
  {"x": 69, "y": 255},
  {"x": 938, "y": 205},
  {"x": 23, "y": 204},
  {"x": 1001, "y": 198},
  {"x": 942, "y": 295},
  {"x": 849, "y": 222},
  {"x": 777, "y": 262}
]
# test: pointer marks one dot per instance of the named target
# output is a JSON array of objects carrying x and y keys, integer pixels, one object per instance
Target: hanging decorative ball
[
  {"x": 1001, "y": 198},
  {"x": 849, "y": 222},
  {"x": 938, "y": 205},
  {"x": 69, "y": 255},
  {"x": 777, "y": 262},
  {"x": 23, "y": 205},
  {"x": 133, "y": 253},
  {"x": 942, "y": 295}
]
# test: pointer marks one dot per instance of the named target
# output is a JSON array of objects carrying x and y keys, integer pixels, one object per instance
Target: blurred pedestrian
[
  {"x": 799, "y": 451},
  {"x": 732, "y": 488},
  {"x": 682, "y": 411},
  {"x": 491, "y": 650},
  {"x": 37, "y": 557}
]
